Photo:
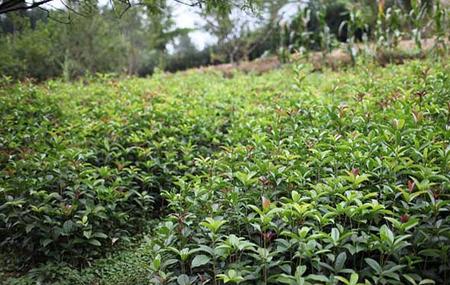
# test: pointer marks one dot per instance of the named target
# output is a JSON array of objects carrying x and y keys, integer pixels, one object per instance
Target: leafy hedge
[
  {"x": 334, "y": 178},
  {"x": 290, "y": 177},
  {"x": 82, "y": 166}
]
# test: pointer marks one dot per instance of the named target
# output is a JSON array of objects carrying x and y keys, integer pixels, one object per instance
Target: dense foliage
[
  {"x": 291, "y": 177},
  {"x": 341, "y": 178},
  {"x": 82, "y": 166}
]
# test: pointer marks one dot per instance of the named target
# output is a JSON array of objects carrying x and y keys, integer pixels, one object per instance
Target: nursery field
[{"x": 289, "y": 177}]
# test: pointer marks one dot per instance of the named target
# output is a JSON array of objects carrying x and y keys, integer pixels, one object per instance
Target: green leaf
[
  {"x": 200, "y": 260},
  {"x": 340, "y": 261},
  {"x": 94, "y": 242},
  {"x": 100, "y": 235},
  {"x": 28, "y": 228},
  {"x": 342, "y": 279},
  {"x": 410, "y": 279},
  {"x": 68, "y": 226},
  {"x": 354, "y": 279},
  {"x": 295, "y": 196},
  {"x": 183, "y": 280},
  {"x": 213, "y": 225},
  {"x": 300, "y": 270},
  {"x": 285, "y": 279},
  {"x": 410, "y": 224},
  {"x": 46, "y": 242},
  {"x": 335, "y": 235},
  {"x": 87, "y": 234},
  {"x": 372, "y": 263},
  {"x": 399, "y": 123},
  {"x": 386, "y": 234},
  {"x": 315, "y": 277},
  {"x": 427, "y": 281}
]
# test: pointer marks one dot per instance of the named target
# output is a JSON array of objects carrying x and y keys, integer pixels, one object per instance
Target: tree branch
[{"x": 16, "y": 5}]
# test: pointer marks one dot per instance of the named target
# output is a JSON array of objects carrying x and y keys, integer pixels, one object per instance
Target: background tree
[{"x": 222, "y": 6}]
